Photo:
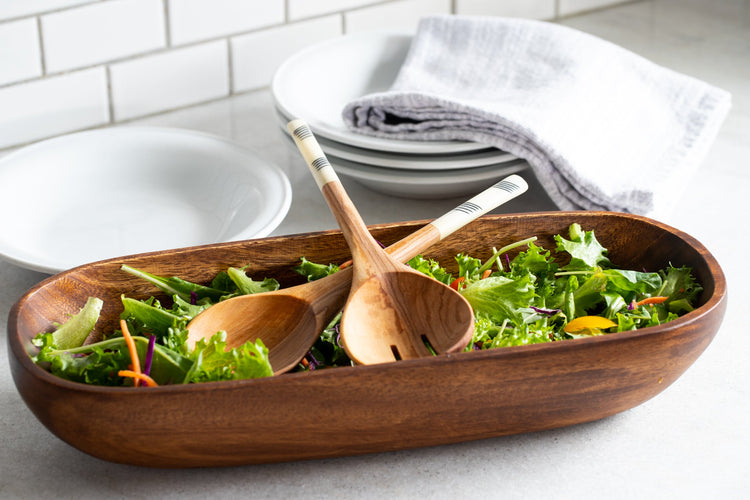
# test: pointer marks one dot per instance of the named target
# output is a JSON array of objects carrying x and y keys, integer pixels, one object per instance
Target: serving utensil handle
[
  {"x": 316, "y": 160},
  {"x": 489, "y": 199},
  {"x": 350, "y": 221},
  {"x": 492, "y": 197}
]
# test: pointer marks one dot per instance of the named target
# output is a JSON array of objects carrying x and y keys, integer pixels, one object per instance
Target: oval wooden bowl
[{"x": 363, "y": 409}]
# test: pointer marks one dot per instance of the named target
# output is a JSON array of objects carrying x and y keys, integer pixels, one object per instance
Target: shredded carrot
[
  {"x": 486, "y": 273},
  {"x": 346, "y": 264},
  {"x": 651, "y": 301},
  {"x": 139, "y": 377},
  {"x": 456, "y": 283},
  {"x": 135, "y": 361}
]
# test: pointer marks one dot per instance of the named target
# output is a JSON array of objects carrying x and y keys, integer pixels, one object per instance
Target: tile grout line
[
  {"x": 110, "y": 100},
  {"x": 230, "y": 67},
  {"x": 167, "y": 30},
  {"x": 40, "y": 38},
  {"x": 44, "y": 12}
]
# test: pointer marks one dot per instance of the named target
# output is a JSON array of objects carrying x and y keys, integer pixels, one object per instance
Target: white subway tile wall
[
  {"x": 68, "y": 65},
  {"x": 19, "y": 51},
  {"x": 195, "y": 20},
  {"x": 16, "y": 8},
  {"x": 53, "y": 106},
  {"x": 256, "y": 56},
  {"x": 169, "y": 80},
  {"x": 531, "y": 9},
  {"x": 101, "y": 32},
  {"x": 300, "y": 9},
  {"x": 399, "y": 15}
]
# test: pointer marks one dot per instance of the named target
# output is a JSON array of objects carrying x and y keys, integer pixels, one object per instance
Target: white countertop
[{"x": 691, "y": 441}]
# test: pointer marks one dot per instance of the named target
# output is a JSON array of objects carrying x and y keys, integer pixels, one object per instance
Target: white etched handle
[
  {"x": 311, "y": 151},
  {"x": 494, "y": 196}
]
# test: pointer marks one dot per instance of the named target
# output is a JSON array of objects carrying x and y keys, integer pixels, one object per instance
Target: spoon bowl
[
  {"x": 409, "y": 303},
  {"x": 287, "y": 321}
]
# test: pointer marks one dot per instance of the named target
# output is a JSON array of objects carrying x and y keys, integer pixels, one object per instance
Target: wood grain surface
[{"x": 363, "y": 409}]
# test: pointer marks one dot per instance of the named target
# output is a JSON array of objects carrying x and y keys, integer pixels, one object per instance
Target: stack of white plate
[{"x": 316, "y": 83}]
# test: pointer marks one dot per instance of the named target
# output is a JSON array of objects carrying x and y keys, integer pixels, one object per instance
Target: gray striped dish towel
[{"x": 601, "y": 127}]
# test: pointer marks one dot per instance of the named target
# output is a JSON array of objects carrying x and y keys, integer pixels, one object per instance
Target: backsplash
[{"x": 68, "y": 65}]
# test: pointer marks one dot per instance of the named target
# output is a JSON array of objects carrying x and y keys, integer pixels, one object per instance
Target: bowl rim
[{"x": 282, "y": 204}]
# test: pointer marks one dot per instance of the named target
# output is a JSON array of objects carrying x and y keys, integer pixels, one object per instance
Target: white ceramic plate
[
  {"x": 469, "y": 159},
  {"x": 118, "y": 191},
  {"x": 422, "y": 184},
  {"x": 316, "y": 83}
]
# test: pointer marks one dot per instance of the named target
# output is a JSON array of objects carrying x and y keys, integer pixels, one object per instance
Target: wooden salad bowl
[{"x": 362, "y": 409}]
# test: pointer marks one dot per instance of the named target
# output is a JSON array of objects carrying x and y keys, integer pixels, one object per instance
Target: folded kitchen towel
[{"x": 602, "y": 128}]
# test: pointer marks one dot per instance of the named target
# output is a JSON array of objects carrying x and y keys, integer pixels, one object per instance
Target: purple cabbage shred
[
  {"x": 548, "y": 312},
  {"x": 193, "y": 298},
  {"x": 149, "y": 355},
  {"x": 312, "y": 361}
]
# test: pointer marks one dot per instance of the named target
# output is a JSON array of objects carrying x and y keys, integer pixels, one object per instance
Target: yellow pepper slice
[{"x": 594, "y": 324}]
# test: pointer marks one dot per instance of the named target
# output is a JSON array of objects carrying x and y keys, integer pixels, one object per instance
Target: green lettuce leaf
[
  {"x": 589, "y": 292},
  {"x": 246, "y": 285},
  {"x": 214, "y": 361},
  {"x": 327, "y": 350},
  {"x": 633, "y": 281},
  {"x": 500, "y": 298},
  {"x": 490, "y": 335},
  {"x": 468, "y": 267},
  {"x": 585, "y": 251},
  {"x": 431, "y": 268},
  {"x": 148, "y": 316},
  {"x": 74, "y": 331},
  {"x": 679, "y": 283},
  {"x": 98, "y": 363},
  {"x": 177, "y": 286},
  {"x": 313, "y": 271}
]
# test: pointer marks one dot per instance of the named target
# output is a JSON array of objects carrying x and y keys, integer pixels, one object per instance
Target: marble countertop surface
[{"x": 691, "y": 441}]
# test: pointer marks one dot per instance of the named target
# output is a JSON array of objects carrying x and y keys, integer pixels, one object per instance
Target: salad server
[
  {"x": 393, "y": 311},
  {"x": 289, "y": 320}
]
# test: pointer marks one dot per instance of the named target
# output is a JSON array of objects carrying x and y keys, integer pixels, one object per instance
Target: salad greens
[
  {"x": 536, "y": 296},
  {"x": 533, "y": 298},
  {"x": 170, "y": 361}
]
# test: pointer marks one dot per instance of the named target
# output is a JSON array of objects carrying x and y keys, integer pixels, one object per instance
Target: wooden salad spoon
[
  {"x": 290, "y": 320},
  {"x": 393, "y": 312}
]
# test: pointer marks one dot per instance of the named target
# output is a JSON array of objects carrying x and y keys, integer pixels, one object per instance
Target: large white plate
[
  {"x": 445, "y": 161},
  {"x": 118, "y": 191},
  {"x": 422, "y": 184},
  {"x": 480, "y": 158},
  {"x": 316, "y": 83}
]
